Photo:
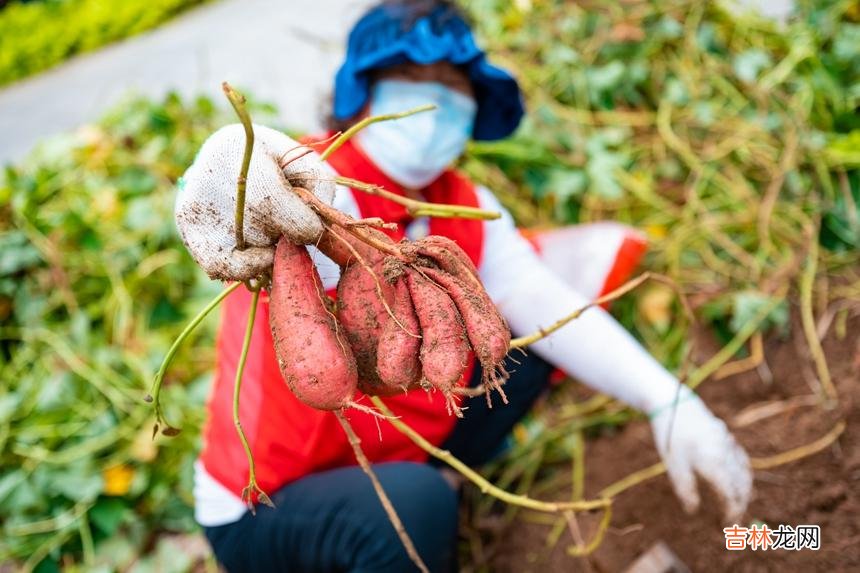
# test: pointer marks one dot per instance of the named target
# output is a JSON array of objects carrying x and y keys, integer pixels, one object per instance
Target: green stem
[
  {"x": 620, "y": 291},
  {"x": 155, "y": 391},
  {"x": 347, "y": 135},
  {"x": 420, "y": 208},
  {"x": 602, "y": 528},
  {"x": 578, "y": 472},
  {"x": 237, "y": 100},
  {"x": 237, "y": 387},
  {"x": 479, "y": 480},
  {"x": 807, "y": 282},
  {"x": 452, "y": 212},
  {"x": 725, "y": 354},
  {"x": 87, "y": 541}
]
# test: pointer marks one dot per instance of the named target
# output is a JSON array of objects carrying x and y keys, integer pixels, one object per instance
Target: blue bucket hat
[{"x": 383, "y": 38}]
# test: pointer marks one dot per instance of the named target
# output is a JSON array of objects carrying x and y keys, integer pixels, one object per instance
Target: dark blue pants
[{"x": 333, "y": 521}]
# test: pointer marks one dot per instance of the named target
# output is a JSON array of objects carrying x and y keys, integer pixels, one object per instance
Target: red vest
[{"x": 288, "y": 439}]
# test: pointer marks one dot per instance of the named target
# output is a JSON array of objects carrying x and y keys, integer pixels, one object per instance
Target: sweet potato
[
  {"x": 487, "y": 331},
  {"x": 315, "y": 362},
  {"x": 399, "y": 344},
  {"x": 335, "y": 243},
  {"x": 444, "y": 347},
  {"x": 362, "y": 298},
  {"x": 361, "y": 311},
  {"x": 449, "y": 257}
]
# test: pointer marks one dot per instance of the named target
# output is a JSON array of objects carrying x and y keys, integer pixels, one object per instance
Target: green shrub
[
  {"x": 729, "y": 138},
  {"x": 36, "y": 36},
  {"x": 94, "y": 286}
]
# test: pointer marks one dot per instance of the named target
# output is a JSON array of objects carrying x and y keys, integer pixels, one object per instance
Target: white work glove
[
  {"x": 206, "y": 203},
  {"x": 597, "y": 351},
  {"x": 691, "y": 440}
]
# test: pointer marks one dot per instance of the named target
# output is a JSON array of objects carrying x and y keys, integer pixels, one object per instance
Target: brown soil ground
[{"x": 823, "y": 489}]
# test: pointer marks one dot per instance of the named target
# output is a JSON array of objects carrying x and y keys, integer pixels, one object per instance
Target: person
[{"x": 327, "y": 517}]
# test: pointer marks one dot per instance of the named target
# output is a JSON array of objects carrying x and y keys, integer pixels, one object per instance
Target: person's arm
[{"x": 599, "y": 352}]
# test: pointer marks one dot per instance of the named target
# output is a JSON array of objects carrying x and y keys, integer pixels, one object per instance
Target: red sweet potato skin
[
  {"x": 398, "y": 361},
  {"x": 487, "y": 331},
  {"x": 362, "y": 314},
  {"x": 449, "y": 257},
  {"x": 333, "y": 241},
  {"x": 316, "y": 364},
  {"x": 444, "y": 347}
]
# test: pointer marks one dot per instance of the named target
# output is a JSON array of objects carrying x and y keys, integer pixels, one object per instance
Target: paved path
[{"x": 284, "y": 52}]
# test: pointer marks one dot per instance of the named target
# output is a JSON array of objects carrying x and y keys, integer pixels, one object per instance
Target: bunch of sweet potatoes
[{"x": 405, "y": 318}]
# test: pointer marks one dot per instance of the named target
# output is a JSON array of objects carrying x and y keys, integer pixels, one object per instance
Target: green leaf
[
  {"x": 56, "y": 392},
  {"x": 668, "y": 28},
  {"x": 8, "y": 405},
  {"x": 603, "y": 81},
  {"x": 601, "y": 167},
  {"x": 119, "y": 551},
  {"x": 136, "y": 181},
  {"x": 840, "y": 229},
  {"x": 168, "y": 558},
  {"x": 47, "y": 565},
  {"x": 17, "y": 253},
  {"x": 566, "y": 183},
  {"x": 676, "y": 92},
  {"x": 749, "y": 64},
  {"x": 846, "y": 44},
  {"x": 78, "y": 482},
  {"x": 108, "y": 514},
  {"x": 23, "y": 497},
  {"x": 10, "y": 481},
  {"x": 746, "y": 305}
]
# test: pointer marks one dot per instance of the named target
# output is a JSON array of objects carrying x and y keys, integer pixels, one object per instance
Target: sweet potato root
[
  {"x": 449, "y": 257},
  {"x": 362, "y": 312},
  {"x": 444, "y": 347},
  {"x": 316, "y": 363},
  {"x": 487, "y": 331},
  {"x": 399, "y": 344},
  {"x": 364, "y": 299}
]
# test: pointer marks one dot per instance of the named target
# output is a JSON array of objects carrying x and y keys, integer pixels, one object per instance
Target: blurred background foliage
[
  {"x": 730, "y": 139},
  {"x": 94, "y": 287},
  {"x": 37, "y": 35},
  {"x": 734, "y": 143}
]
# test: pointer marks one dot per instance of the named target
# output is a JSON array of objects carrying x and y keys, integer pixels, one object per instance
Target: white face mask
[{"x": 415, "y": 150}]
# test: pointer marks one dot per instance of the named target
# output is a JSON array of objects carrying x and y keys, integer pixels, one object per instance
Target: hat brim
[{"x": 500, "y": 104}]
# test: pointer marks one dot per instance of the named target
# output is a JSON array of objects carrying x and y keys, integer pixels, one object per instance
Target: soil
[{"x": 822, "y": 489}]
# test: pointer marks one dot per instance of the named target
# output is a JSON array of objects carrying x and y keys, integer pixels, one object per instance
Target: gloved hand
[
  {"x": 694, "y": 441},
  {"x": 206, "y": 203}
]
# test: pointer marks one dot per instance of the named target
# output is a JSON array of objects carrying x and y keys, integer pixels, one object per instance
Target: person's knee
[{"x": 426, "y": 505}]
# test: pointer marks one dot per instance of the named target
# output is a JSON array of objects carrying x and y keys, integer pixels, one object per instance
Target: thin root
[
  {"x": 333, "y": 216},
  {"x": 282, "y": 163},
  {"x": 492, "y": 379},
  {"x": 375, "y": 222},
  {"x": 355, "y": 442},
  {"x": 248, "y": 497},
  {"x": 369, "y": 410},
  {"x": 451, "y": 404}
]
